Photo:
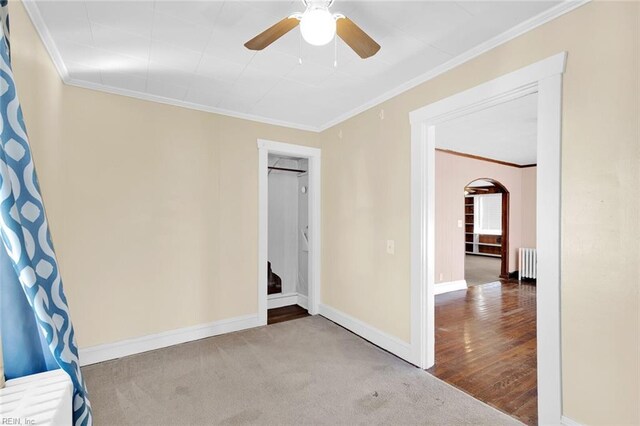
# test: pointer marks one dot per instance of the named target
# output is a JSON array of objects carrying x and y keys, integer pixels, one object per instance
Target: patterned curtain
[{"x": 43, "y": 315}]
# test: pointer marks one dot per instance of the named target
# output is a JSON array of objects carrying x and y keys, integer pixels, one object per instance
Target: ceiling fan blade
[
  {"x": 272, "y": 33},
  {"x": 357, "y": 39}
]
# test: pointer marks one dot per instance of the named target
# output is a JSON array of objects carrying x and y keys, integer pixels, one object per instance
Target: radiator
[
  {"x": 528, "y": 263},
  {"x": 41, "y": 399}
]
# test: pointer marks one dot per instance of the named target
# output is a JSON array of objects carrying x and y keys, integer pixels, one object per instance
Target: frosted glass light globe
[{"x": 317, "y": 26}]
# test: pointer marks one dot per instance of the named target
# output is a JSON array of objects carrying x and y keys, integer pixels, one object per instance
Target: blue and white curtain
[{"x": 36, "y": 329}]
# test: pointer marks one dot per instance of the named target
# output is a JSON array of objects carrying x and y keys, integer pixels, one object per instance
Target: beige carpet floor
[
  {"x": 481, "y": 269},
  {"x": 306, "y": 371}
]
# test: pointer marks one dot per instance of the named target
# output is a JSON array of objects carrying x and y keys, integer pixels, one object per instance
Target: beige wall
[
  {"x": 453, "y": 173},
  {"x": 366, "y": 196},
  {"x": 153, "y": 208}
]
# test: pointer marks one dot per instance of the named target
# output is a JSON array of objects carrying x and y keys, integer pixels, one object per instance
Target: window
[{"x": 488, "y": 214}]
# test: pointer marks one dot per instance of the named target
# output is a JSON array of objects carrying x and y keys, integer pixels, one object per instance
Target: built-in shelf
[{"x": 484, "y": 245}]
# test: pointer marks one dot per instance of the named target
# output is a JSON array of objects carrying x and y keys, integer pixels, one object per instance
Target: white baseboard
[
  {"x": 442, "y": 288},
  {"x": 303, "y": 301},
  {"x": 566, "y": 421},
  {"x": 288, "y": 299},
  {"x": 280, "y": 300},
  {"x": 100, "y": 353},
  {"x": 380, "y": 338}
]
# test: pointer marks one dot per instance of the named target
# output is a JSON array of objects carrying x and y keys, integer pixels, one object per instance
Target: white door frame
[
  {"x": 266, "y": 147},
  {"x": 545, "y": 79}
]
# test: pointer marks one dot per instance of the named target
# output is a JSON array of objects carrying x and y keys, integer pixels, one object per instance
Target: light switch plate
[
  {"x": 459, "y": 223},
  {"x": 391, "y": 246}
]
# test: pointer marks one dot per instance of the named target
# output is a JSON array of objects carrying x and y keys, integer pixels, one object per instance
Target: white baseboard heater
[
  {"x": 41, "y": 399},
  {"x": 528, "y": 263}
]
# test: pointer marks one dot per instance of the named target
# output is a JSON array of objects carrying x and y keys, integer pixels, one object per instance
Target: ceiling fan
[{"x": 318, "y": 27}]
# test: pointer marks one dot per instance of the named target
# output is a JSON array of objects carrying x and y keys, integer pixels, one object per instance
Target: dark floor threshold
[{"x": 286, "y": 313}]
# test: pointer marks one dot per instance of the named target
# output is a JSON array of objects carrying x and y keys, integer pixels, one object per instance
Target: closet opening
[{"x": 288, "y": 238}]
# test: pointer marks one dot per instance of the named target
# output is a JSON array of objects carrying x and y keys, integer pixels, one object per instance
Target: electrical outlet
[
  {"x": 440, "y": 277},
  {"x": 459, "y": 223},
  {"x": 391, "y": 246}
]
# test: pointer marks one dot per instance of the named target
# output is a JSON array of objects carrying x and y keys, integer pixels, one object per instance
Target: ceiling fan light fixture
[{"x": 318, "y": 26}]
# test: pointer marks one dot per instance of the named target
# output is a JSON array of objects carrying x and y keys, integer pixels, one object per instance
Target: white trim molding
[
  {"x": 524, "y": 27},
  {"x": 287, "y": 299},
  {"x": 448, "y": 287},
  {"x": 386, "y": 341},
  {"x": 494, "y": 92},
  {"x": 100, "y": 353},
  {"x": 266, "y": 147},
  {"x": 41, "y": 28},
  {"x": 280, "y": 300},
  {"x": 303, "y": 301},
  {"x": 545, "y": 79},
  {"x": 50, "y": 45},
  {"x": 566, "y": 421}
]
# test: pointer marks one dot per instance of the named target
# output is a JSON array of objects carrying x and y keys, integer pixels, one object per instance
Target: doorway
[
  {"x": 288, "y": 236},
  {"x": 486, "y": 205},
  {"x": 545, "y": 79},
  {"x": 289, "y": 231},
  {"x": 486, "y": 333}
]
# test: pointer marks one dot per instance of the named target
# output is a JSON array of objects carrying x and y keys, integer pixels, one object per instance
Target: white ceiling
[
  {"x": 191, "y": 52},
  {"x": 505, "y": 132}
]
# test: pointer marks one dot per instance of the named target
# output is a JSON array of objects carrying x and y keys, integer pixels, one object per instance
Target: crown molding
[
  {"x": 522, "y": 28},
  {"x": 544, "y": 17},
  {"x": 186, "y": 104},
  {"x": 47, "y": 40},
  {"x": 487, "y": 159}
]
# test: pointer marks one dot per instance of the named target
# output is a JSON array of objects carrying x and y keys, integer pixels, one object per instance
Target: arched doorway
[{"x": 487, "y": 221}]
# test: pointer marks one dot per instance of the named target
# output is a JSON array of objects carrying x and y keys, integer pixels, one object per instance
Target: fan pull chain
[
  {"x": 300, "y": 51},
  {"x": 335, "y": 51}
]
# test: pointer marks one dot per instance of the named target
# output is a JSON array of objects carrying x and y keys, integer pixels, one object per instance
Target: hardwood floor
[
  {"x": 286, "y": 313},
  {"x": 486, "y": 345},
  {"x": 481, "y": 269}
]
